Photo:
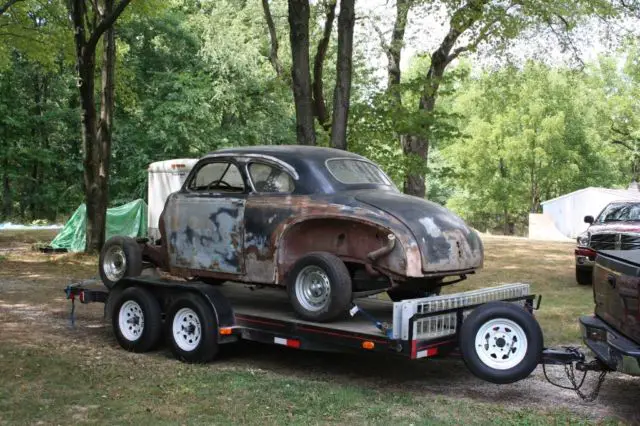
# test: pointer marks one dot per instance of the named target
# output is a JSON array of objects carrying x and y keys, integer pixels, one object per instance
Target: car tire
[
  {"x": 136, "y": 319},
  {"x": 192, "y": 329},
  {"x": 120, "y": 257},
  {"x": 501, "y": 342},
  {"x": 398, "y": 294},
  {"x": 319, "y": 287},
  {"x": 584, "y": 276}
]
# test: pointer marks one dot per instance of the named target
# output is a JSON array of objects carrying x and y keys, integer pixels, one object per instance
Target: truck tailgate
[{"x": 616, "y": 290}]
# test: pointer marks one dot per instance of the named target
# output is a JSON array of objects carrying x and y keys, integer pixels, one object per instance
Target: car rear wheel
[
  {"x": 319, "y": 287},
  {"x": 501, "y": 342},
  {"x": 120, "y": 257},
  {"x": 584, "y": 276}
]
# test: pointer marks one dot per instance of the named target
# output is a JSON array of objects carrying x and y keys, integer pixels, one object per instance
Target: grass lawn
[{"x": 52, "y": 374}]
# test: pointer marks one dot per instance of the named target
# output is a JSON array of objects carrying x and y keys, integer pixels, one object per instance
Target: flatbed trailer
[{"x": 415, "y": 328}]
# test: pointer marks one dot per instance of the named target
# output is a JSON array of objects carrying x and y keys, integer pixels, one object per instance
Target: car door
[{"x": 204, "y": 221}]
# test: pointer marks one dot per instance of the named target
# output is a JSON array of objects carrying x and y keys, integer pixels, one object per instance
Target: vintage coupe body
[{"x": 325, "y": 224}]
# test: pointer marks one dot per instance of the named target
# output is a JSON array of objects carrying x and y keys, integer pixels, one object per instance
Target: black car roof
[
  {"x": 291, "y": 153},
  {"x": 308, "y": 161}
]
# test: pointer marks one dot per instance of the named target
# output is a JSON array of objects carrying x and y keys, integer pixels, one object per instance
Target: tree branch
[
  {"x": 105, "y": 23},
  {"x": 320, "y": 107},
  {"x": 7, "y": 5},
  {"x": 273, "y": 53},
  {"x": 484, "y": 33},
  {"x": 623, "y": 143}
]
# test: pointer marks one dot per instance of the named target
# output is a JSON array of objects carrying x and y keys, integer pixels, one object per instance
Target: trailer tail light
[
  {"x": 427, "y": 353},
  {"x": 292, "y": 343},
  {"x": 367, "y": 344}
]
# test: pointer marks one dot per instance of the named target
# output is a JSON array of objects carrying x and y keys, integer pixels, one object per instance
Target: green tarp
[{"x": 129, "y": 220}]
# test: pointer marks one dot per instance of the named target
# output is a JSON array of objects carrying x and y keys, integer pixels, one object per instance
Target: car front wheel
[{"x": 319, "y": 287}]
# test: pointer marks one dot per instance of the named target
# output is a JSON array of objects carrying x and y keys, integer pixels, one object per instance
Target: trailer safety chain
[{"x": 569, "y": 370}]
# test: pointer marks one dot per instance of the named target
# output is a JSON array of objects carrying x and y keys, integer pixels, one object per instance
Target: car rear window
[{"x": 353, "y": 172}]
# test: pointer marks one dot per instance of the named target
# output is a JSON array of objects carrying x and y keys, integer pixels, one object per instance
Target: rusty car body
[{"x": 251, "y": 214}]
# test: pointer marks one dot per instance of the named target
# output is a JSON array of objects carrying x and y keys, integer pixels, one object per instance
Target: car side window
[
  {"x": 270, "y": 179},
  {"x": 220, "y": 176}
]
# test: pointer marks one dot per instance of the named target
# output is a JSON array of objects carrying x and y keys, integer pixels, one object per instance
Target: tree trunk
[
  {"x": 394, "y": 54},
  {"x": 273, "y": 53},
  {"x": 320, "y": 107},
  {"x": 301, "y": 78},
  {"x": 7, "y": 202},
  {"x": 342, "y": 92},
  {"x": 101, "y": 178},
  {"x": 96, "y": 137}
]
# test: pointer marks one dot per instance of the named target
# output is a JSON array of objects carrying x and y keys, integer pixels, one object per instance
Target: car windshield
[
  {"x": 353, "y": 172},
  {"x": 620, "y": 213}
]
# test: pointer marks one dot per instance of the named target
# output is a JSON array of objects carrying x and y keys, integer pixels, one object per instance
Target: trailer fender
[{"x": 166, "y": 290}]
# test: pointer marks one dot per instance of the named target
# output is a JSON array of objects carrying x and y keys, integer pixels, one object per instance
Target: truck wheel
[
  {"x": 136, "y": 319},
  {"x": 192, "y": 329},
  {"x": 120, "y": 257},
  {"x": 583, "y": 276},
  {"x": 501, "y": 342},
  {"x": 319, "y": 287}
]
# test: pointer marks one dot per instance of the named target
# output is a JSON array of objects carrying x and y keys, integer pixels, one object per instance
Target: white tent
[
  {"x": 165, "y": 177},
  {"x": 568, "y": 211}
]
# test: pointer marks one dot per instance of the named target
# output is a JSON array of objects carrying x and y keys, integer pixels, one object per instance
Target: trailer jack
[{"x": 573, "y": 359}]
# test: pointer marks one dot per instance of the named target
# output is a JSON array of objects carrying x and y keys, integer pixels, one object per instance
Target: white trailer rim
[
  {"x": 501, "y": 344},
  {"x": 187, "y": 330},
  {"x": 131, "y": 320}
]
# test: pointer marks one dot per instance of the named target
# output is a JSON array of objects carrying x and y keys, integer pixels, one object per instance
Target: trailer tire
[
  {"x": 136, "y": 320},
  {"x": 120, "y": 257},
  {"x": 319, "y": 287},
  {"x": 501, "y": 342},
  {"x": 192, "y": 329}
]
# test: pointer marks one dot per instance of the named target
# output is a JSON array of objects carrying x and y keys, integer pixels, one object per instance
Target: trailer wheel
[
  {"x": 319, "y": 287},
  {"x": 501, "y": 342},
  {"x": 192, "y": 329},
  {"x": 136, "y": 319},
  {"x": 120, "y": 257}
]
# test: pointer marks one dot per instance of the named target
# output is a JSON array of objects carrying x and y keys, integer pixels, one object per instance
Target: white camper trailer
[{"x": 165, "y": 177}]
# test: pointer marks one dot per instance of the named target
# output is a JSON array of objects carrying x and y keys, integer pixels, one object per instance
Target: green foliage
[{"x": 531, "y": 135}]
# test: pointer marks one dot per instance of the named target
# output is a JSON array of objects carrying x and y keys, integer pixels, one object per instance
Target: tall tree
[
  {"x": 470, "y": 24},
  {"x": 299, "y": 11},
  {"x": 342, "y": 93},
  {"x": 90, "y": 22}
]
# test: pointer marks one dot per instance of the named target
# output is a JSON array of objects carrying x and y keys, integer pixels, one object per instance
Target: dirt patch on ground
[{"x": 34, "y": 313}]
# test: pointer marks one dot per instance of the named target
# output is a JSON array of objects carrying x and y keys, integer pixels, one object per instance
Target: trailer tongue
[{"x": 494, "y": 329}]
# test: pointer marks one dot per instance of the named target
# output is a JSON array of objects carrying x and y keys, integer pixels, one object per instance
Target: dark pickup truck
[{"x": 613, "y": 333}]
